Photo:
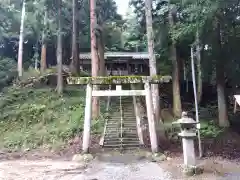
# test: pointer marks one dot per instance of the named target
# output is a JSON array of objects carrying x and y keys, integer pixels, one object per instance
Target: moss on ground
[
  {"x": 31, "y": 118},
  {"x": 209, "y": 129},
  {"x": 119, "y": 79}
]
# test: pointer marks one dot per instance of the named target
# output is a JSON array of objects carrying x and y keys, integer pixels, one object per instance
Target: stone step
[
  {"x": 124, "y": 122},
  {"x": 113, "y": 125},
  {"x": 129, "y": 133},
  {"x": 132, "y": 126},
  {"x": 129, "y": 119},
  {"x": 116, "y": 138},
  {"x": 129, "y": 116},
  {"x": 115, "y": 118},
  {"x": 121, "y": 145},
  {"x": 113, "y": 131},
  {"x": 129, "y": 123},
  {"x": 124, "y": 138},
  {"x": 119, "y": 142},
  {"x": 124, "y": 129},
  {"x": 119, "y": 130},
  {"x": 108, "y": 139},
  {"x": 118, "y": 134}
]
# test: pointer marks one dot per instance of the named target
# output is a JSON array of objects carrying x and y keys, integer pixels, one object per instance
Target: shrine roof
[{"x": 131, "y": 55}]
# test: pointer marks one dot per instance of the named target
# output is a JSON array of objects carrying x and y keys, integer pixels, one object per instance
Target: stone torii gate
[{"x": 119, "y": 80}]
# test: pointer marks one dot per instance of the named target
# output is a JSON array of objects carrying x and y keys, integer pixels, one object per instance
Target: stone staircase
[{"x": 121, "y": 133}]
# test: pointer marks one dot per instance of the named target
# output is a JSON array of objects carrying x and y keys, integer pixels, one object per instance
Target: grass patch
[
  {"x": 31, "y": 118},
  {"x": 209, "y": 129}
]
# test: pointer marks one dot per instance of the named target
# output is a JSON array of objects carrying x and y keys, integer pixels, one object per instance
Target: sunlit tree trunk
[
  {"x": 100, "y": 45},
  {"x": 177, "y": 106},
  {"x": 199, "y": 68},
  {"x": 44, "y": 45},
  {"x": 21, "y": 39},
  {"x": 59, "y": 49},
  {"x": 94, "y": 54},
  {"x": 222, "y": 103},
  {"x": 36, "y": 55},
  {"x": 152, "y": 58},
  {"x": 75, "y": 67}
]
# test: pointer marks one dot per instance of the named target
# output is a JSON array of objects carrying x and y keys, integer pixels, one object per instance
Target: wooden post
[
  {"x": 138, "y": 120},
  {"x": 235, "y": 107},
  {"x": 151, "y": 121},
  {"x": 138, "y": 116},
  {"x": 87, "y": 119}
]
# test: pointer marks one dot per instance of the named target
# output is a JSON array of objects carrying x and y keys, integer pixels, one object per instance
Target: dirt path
[
  {"x": 114, "y": 167},
  {"x": 39, "y": 170}
]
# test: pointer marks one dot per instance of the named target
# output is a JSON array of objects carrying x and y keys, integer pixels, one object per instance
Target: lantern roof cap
[{"x": 186, "y": 120}]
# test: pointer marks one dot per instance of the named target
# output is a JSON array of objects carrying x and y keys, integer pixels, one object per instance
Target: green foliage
[
  {"x": 7, "y": 71},
  {"x": 209, "y": 129},
  {"x": 35, "y": 25},
  {"x": 39, "y": 117}
]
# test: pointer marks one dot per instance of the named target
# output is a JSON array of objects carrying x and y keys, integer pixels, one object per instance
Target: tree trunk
[
  {"x": 94, "y": 55},
  {"x": 21, "y": 39},
  {"x": 185, "y": 76},
  {"x": 44, "y": 45},
  {"x": 153, "y": 71},
  {"x": 222, "y": 103},
  {"x": 199, "y": 69},
  {"x": 100, "y": 45},
  {"x": 75, "y": 67},
  {"x": 177, "y": 106},
  {"x": 59, "y": 50},
  {"x": 36, "y": 55},
  {"x": 152, "y": 59}
]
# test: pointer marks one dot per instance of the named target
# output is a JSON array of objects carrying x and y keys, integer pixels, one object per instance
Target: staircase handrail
[{"x": 121, "y": 114}]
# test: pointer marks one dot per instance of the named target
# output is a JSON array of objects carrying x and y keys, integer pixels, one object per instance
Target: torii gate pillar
[{"x": 87, "y": 119}]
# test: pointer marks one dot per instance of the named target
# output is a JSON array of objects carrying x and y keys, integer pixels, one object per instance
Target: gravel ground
[
  {"x": 114, "y": 167},
  {"x": 62, "y": 170},
  {"x": 137, "y": 171},
  {"x": 39, "y": 170}
]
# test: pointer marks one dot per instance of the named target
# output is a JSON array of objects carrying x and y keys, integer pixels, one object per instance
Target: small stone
[
  {"x": 199, "y": 170},
  {"x": 158, "y": 157},
  {"x": 189, "y": 171},
  {"x": 79, "y": 177},
  {"x": 26, "y": 150},
  {"x": 192, "y": 170},
  {"x": 169, "y": 159},
  {"x": 82, "y": 158},
  {"x": 148, "y": 154}
]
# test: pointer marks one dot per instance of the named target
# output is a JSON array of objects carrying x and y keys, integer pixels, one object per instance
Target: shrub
[
  {"x": 8, "y": 71},
  {"x": 36, "y": 117},
  {"x": 210, "y": 130}
]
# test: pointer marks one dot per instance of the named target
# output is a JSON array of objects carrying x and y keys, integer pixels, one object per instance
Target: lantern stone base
[
  {"x": 192, "y": 170},
  {"x": 188, "y": 151}
]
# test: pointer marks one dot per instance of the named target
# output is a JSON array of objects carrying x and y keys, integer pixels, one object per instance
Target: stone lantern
[{"x": 188, "y": 134}]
